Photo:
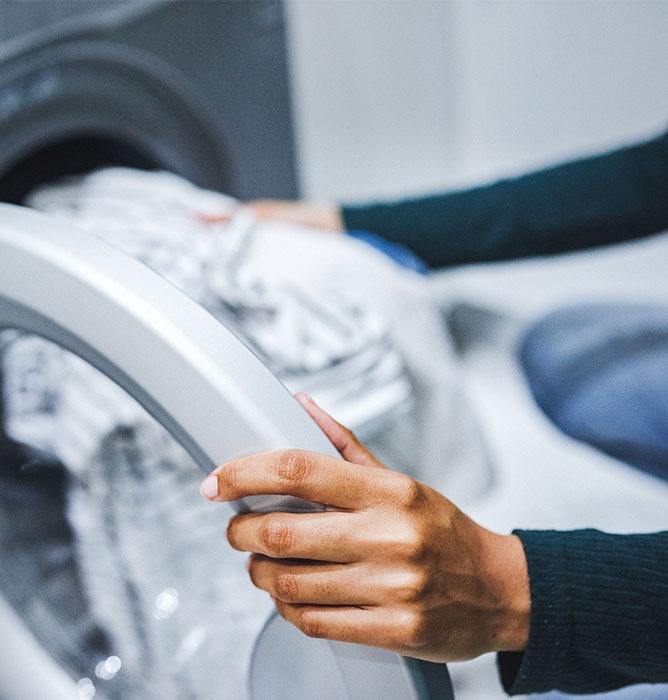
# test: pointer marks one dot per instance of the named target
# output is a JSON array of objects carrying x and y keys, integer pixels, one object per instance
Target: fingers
[
  {"x": 341, "y": 437},
  {"x": 312, "y": 214},
  {"x": 324, "y": 536},
  {"x": 308, "y": 475},
  {"x": 317, "y": 583},
  {"x": 274, "y": 209},
  {"x": 372, "y": 626},
  {"x": 218, "y": 218}
]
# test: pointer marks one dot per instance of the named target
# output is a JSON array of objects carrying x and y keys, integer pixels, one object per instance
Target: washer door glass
[{"x": 110, "y": 556}]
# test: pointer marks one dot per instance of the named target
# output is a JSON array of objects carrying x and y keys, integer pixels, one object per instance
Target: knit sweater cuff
[
  {"x": 599, "y": 608},
  {"x": 550, "y": 616}
]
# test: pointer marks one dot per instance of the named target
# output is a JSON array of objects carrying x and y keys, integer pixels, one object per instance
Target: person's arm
[
  {"x": 599, "y": 200},
  {"x": 599, "y": 613},
  {"x": 318, "y": 215},
  {"x": 392, "y": 563}
]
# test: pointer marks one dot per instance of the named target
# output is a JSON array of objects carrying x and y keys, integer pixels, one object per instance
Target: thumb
[{"x": 345, "y": 441}]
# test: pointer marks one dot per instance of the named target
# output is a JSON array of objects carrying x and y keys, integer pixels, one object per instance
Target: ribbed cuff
[
  {"x": 599, "y": 612},
  {"x": 544, "y": 656}
]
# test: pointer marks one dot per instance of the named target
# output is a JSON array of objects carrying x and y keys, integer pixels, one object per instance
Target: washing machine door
[{"x": 216, "y": 399}]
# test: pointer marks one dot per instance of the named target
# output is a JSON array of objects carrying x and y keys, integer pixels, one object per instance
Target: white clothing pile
[
  {"x": 328, "y": 314},
  {"x": 317, "y": 338}
]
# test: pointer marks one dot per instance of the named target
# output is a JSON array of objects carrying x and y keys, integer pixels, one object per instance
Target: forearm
[
  {"x": 593, "y": 201},
  {"x": 599, "y": 612}
]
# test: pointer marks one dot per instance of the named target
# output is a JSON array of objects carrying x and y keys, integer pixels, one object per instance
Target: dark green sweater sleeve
[
  {"x": 599, "y": 613},
  {"x": 589, "y": 202}
]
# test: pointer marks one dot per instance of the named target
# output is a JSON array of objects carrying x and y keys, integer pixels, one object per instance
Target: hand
[
  {"x": 323, "y": 216},
  {"x": 389, "y": 563}
]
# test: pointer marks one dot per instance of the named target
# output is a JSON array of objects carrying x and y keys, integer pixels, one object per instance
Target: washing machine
[{"x": 200, "y": 89}]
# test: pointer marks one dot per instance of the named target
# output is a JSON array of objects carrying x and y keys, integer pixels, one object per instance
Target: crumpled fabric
[
  {"x": 317, "y": 339},
  {"x": 328, "y": 314},
  {"x": 298, "y": 330}
]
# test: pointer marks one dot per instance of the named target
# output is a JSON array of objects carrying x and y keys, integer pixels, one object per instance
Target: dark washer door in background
[{"x": 199, "y": 88}]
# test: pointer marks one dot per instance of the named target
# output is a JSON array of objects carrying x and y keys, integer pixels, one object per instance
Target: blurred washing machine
[{"x": 200, "y": 89}]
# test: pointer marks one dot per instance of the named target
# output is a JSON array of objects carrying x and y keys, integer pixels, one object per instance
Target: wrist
[
  {"x": 508, "y": 575},
  {"x": 331, "y": 217}
]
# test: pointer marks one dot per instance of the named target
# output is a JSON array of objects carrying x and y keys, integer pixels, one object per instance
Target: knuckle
[
  {"x": 412, "y": 544},
  {"x": 292, "y": 466},
  {"x": 276, "y": 535},
  {"x": 311, "y": 625},
  {"x": 414, "y": 631},
  {"x": 407, "y": 492},
  {"x": 413, "y": 587},
  {"x": 232, "y": 474},
  {"x": 287, "y": 587},
  {"x": 231, "y": 532},
  {"x": 253, "y": 569},
  {"x": 349, "y": 437}
]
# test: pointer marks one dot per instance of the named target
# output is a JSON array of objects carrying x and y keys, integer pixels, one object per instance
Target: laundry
[
  {"x": 329, "y": 315},
  {"x": 298, "y": 330},
  {"x": 316, "y": 340}
]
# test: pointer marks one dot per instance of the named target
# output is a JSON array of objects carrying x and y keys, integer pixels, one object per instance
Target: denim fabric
[
  {"x": 600, "y": 372},
  {"x": 633, "y": 692}
]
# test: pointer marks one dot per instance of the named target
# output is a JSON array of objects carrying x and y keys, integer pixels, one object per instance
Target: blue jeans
[
  {"x": 600, "y": 372},
  {"x": 634, "y": 692}
]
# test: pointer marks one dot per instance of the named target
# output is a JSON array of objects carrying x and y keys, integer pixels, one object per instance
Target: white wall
[
  {"x": 372, "y": 91},
  {"x": 401, "y": 96},
  {"x": 545, "y": 80}
]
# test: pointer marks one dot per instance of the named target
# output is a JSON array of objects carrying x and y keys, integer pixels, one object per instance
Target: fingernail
[
  {"x": 209, "y": 487},
  {"x": 304, "y": 398}
]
